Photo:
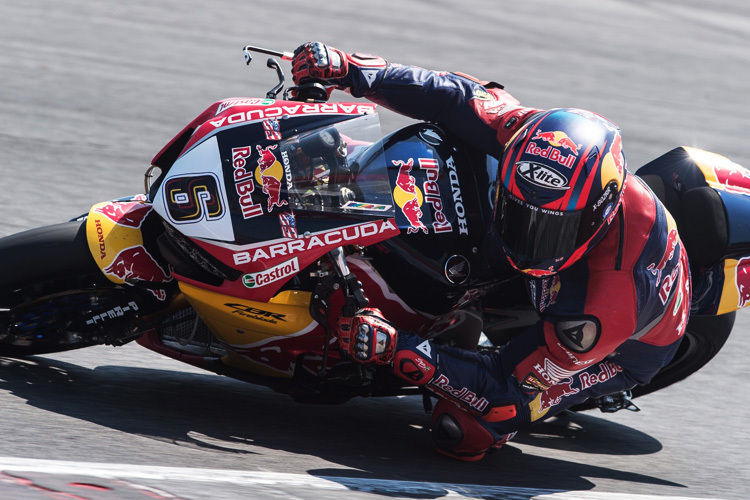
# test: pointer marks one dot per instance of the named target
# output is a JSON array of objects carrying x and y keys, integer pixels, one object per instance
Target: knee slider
[
  {"x": 458, "y": 434},
  {"x": 447, "y": 432}
]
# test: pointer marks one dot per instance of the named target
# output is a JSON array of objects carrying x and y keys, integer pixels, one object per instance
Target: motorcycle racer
[{"x": 602, "y": 260}]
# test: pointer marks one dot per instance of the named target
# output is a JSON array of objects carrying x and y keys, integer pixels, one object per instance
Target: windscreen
[{"x": 325, "y": 168}]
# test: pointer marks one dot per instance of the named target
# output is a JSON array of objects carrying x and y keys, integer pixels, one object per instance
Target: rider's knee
[{"x": 459, "y": 434}]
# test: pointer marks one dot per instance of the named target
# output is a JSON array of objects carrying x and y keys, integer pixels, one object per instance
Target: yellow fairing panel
[
  {"x": 735, "y": 294},
  {"x": 240, "y": 322},
  {"x": 107, "y": 237}
]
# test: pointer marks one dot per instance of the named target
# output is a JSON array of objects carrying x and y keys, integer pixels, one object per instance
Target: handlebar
[
  {"x": 313, "y": 91},
  {"x": 286, "y": 56}
]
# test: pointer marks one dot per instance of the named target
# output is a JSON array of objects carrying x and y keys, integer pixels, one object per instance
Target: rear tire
[{"x": 703, "y": 339}]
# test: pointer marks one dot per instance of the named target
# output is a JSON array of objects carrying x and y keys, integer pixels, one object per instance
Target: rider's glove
[
  {"x": 317, "y": 61},
  {"x": 367, "y": 337}
]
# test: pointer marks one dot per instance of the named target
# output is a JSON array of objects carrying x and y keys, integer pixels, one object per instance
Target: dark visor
[{"x": 534, "y": 233}]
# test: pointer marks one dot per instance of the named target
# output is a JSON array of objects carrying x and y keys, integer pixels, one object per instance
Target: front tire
[{"x": 53, "y": 297}]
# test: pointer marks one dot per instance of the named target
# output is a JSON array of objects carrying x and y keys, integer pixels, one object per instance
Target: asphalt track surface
[{"x": 90, "y": 91}]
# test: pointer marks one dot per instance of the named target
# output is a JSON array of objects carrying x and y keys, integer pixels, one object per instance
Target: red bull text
[
  {"x": 244, "y": 184},
  {"x": 556, "y": 139},
  {"x": 463, "y": 394}
]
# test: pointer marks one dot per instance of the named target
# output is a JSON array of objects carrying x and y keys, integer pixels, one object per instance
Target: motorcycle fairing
[
  {"x": 230, "y": 112},
  {"x": 723, "y": 285},
  {"x": 442, "y": 210},
  {"x": 116, "y": 241},
  {"x": 269, "y": 208},
  {"x": 268, "y": 335},
  {"x": 268, "y": 265}
]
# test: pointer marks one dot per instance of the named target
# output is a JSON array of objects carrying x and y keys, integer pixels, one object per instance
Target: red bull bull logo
[
  {"x": 742, "y": 281},
  {"x": 131, "y": 214},
  {"x": 558, "y": 141},
  {"x": 555, "y": 394},
  {"x": 408, "y": 196},
  {"x": 431, "y": 188},
  {"x": 136, "y": 264},
  {"x": 617, "y": 155},
  {"x": 550, "y": 289},
  {"x": 270, "y": 174},
  {"x": 732, "y": 178}
]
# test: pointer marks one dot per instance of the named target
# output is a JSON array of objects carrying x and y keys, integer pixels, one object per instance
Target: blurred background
[{"x": 90, "y": 91}]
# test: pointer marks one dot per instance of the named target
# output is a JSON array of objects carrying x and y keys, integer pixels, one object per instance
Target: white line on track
[{"x": 286, "y": 480}]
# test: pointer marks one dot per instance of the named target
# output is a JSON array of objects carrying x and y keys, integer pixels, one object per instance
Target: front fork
[{"x": 329, "y": 283}]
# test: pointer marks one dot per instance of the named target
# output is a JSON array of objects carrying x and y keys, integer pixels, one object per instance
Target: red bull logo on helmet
[
  {"x": 559, "y": 142},
  {"x": 617, "y": 156}
]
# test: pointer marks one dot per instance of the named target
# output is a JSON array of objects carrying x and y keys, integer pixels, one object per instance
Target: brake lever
[{"x": 286, "y": 56}]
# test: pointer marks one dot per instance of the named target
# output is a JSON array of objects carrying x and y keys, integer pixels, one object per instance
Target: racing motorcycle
[{"x": 264, "y": 220}]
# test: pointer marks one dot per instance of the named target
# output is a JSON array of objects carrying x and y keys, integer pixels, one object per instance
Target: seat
[{"x": 701, "y": 220}]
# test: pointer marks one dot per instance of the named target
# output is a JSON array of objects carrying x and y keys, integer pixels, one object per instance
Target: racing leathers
[{"x": 607, "y": 323}]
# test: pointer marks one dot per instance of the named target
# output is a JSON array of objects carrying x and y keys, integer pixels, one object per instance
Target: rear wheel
[
  {"x": 53, "y": 297},
  {"x": 703, "y": 339}
]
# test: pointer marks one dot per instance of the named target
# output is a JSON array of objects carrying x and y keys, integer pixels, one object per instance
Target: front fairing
[
  {"x": 268, "y": 199},
  {"x": 249, "y": 183}
]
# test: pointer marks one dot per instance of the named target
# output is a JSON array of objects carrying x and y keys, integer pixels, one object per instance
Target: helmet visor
[{"x": 536, "y": 234}]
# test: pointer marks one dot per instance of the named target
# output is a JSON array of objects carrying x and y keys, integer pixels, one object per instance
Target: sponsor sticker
[
  {"x": 541, "y": 175},
  {"x": 578, "y": 334},
  {"x": 278, "y": 272}
]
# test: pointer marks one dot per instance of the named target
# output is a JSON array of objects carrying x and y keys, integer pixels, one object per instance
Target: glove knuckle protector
[{"x": 368, "y": 337}]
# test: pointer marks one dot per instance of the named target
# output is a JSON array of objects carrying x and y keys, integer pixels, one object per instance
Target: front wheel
[{"x": 53, "y": 297}]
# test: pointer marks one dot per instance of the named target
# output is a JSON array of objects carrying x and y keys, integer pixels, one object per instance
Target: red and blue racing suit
[{"x": 607, "y": 323}]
